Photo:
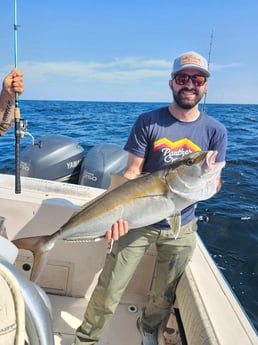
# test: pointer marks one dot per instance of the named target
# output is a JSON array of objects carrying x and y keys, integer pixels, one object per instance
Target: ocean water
[{"x": 231, "y": 232}]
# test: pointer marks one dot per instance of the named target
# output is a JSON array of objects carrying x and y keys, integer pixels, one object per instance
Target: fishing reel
[{"x": 24, "y": 130}]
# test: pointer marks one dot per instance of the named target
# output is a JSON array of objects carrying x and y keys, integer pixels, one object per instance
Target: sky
[{"x": 110, "y": 50}]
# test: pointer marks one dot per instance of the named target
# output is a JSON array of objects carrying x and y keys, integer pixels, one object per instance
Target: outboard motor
[
  {"x": 55, "y": 157},
  {"x": 100, "y": 162}
]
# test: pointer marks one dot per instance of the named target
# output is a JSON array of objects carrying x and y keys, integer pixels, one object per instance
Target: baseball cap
[{"x": 190, "y": 60}]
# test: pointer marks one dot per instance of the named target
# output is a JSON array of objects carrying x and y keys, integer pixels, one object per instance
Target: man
[
  {"x": 12, "y": 83},
  {"x": 157, "y": 139}
]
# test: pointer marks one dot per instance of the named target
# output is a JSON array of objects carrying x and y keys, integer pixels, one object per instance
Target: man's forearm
[{"x": 6, "y": 112}]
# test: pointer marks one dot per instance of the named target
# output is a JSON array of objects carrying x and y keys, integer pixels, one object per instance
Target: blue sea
[{"x": 231, "y": 233}]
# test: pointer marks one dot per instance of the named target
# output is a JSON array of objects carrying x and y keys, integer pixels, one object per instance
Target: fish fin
[
  {"x": 116, "y": 180},
  {"x": 175, "y": 224},
  {"x": 39, "y": 246}
]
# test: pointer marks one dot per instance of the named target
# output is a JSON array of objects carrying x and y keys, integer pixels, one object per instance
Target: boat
[{"x": 206, "y": 311}]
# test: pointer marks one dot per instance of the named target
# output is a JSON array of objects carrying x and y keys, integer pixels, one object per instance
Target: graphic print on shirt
[{"x": 172, "y": 150}]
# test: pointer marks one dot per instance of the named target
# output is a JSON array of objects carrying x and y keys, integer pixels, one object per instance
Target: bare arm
[
  {"x": 12, "y": 83},
  {"x": 133, "y": 169},
  {"x": 134, "y": 166}
]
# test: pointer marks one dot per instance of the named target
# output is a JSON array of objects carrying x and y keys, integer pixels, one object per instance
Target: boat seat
[{"x": 12, "y": 309}]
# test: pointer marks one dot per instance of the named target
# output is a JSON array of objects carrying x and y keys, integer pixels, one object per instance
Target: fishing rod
[
  {"x": 209, "y": 60},
  {"x": 17, "y": 116}
]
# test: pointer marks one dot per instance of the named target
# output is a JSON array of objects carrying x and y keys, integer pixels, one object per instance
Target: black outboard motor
[
  {"x": 55, "y": 157},
  {"x": 100, "y": 162}
]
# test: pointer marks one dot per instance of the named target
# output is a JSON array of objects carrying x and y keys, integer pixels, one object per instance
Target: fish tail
[{"x": 40, "y": 247}]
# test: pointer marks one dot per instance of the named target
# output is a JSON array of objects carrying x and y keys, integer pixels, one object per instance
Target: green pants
[{"x": 172, "y": 258}]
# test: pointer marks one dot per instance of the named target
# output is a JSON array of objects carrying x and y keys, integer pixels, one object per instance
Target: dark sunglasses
[{"x": 182, "y": 79}]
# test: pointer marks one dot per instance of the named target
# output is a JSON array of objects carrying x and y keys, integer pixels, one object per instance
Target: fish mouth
[
  {"x": 210, "y": 161},
  {"x": 211, "y": 157}
]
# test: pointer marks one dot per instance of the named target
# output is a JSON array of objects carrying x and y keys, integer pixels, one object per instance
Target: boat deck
[
  {"x": 210, "y": 313},
  {"x": 68, "y": 313}
]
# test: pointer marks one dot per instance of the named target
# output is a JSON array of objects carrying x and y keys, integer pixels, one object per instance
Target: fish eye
[{"x": 189, "y": 162}]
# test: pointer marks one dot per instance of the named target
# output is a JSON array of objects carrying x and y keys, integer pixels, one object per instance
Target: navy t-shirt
[{"x": 160, "y": 139}]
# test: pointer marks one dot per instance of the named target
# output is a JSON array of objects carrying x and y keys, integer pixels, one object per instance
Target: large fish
[{"x": 142, "y": 201}]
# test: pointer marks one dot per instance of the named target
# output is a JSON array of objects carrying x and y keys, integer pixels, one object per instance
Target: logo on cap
[{"x": 191, "y": 59}]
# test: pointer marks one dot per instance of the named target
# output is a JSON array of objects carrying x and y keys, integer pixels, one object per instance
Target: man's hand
[
  {"x": 118, "y": 229},
  {"x": 13, "y": 83}
]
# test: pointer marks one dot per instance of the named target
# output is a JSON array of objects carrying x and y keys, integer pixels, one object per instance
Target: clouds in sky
[
  {"x": 123, "y": 51},
  {"x": 120, "y": 79}
]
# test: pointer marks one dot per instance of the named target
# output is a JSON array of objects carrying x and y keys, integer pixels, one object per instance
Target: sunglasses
[{"x": 182, "y": 79}]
